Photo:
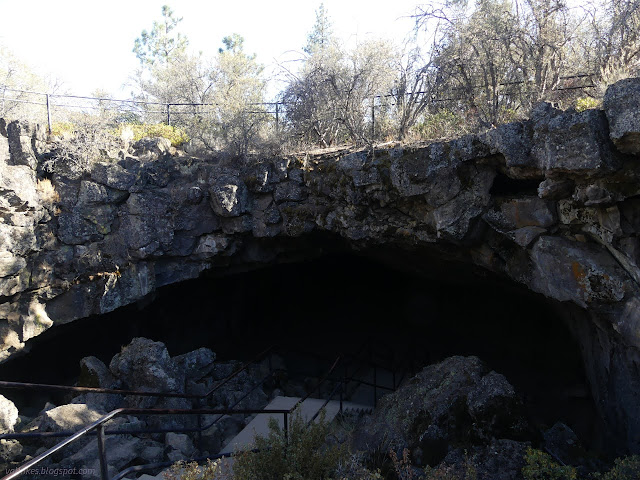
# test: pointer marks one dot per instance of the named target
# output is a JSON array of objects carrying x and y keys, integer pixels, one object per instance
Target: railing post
[
  {"x": 168, "y": 114},
  {"x": 277, "y": 118},
  {"x": 286, "y": 430},
  {"x": 48, "y": 113},
  {"x": 102, "y": 453},
  {"x": 201, "y": 405},
  {"x": 342, "y": 387}
]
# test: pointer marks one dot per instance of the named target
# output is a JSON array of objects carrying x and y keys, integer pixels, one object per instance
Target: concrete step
[{"x": 260, "y": 424}]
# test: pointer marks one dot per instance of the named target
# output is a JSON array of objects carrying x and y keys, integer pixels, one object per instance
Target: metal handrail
[
  {"x": 101, "y": 432},
  {"x": 99, "y": 425}
]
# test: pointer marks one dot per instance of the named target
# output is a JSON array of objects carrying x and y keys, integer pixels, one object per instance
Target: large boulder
[
  {"x": 94, "y": 373},
  {"x": 21, "y": 136},
  {"x": 621, "y": 104},
  {"x": 459, "y": 400},
  {"x": 229, "y": 196},
  {"x": 146, "y": 365},
  {"x": 152, "y": 148},
  {"x": 8, "y": 415},
  {"x": 67, "y": 417},
  {"x": 197, "y": 363}
]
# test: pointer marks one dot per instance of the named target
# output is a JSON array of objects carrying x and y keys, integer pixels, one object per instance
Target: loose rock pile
[{"x": 143, "y": 365}]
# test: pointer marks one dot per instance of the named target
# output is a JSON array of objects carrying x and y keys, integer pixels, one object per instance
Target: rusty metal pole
[{"x": 102, "y": 453}]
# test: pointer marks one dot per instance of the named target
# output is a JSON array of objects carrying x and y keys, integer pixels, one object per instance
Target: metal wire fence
[{"x": 378, "y": 113}]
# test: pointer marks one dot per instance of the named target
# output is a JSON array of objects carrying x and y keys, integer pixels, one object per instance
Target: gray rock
[
  {"x": 574, "y": 142},
  {"x": 563, "y": 444},
  {"x": 94, "y": 373},
  {"x": 196, "y": 364},
  {"x": 152, "y": 148},
  {"x": 433, "y": 410},
  {"x": 146, "y": 365},
  {"x": 10, "y": 451},
  {"x": 20, "y": 135},
  {"x": 180, "y": 442},
  {"x": 513, "y": 141},
  {"x": 8, "y": 415},
  {"x": 67, "y": 417},
  {"x": 229, "y": 196},
  {"x": 554, "y": 189},
  {"x": 621, "y": 104},
  {"x": 577, "y": 272}
]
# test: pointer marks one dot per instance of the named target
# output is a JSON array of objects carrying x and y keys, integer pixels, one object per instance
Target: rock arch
[{"x": 550, "y": 203}]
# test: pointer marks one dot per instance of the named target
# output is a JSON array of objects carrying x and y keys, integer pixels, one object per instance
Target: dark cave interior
[{"x": 333, "y": 304}]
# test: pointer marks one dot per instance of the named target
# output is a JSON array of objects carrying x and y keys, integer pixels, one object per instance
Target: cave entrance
[{"x": 335, "y": 304}]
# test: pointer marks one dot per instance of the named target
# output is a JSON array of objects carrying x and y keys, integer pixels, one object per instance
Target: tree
[
  {"x": 162, "y": 43},
  {"x": 238, "y": 95},
  {"x": 329, "y": 100},
  {"x": 17, "y": 79},
  {"x": 612, "y": 41},
  {"x": 321, "y": 35},
  {"x": 500, "y": 56}
]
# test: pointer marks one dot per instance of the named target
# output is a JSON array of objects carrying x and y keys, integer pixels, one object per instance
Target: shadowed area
[{"x": 342, "y": 303}]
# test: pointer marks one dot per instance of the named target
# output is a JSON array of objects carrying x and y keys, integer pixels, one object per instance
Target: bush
[
  {"x": 306, "y": 456},
  {"x": 443, "y": 124},
  {"x": 63, "y": 129},
  {"x": 585, "y": 103},
  {"x": 192, "y": 471},
  {"x": 47, "y": 192},
  {"x": 175, "y": 135},
  {"x": 623, "y": 469},
  {"x": 540, "y": 466}
]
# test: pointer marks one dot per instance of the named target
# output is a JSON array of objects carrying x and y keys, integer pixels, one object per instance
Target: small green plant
[
  {"x": 585, "y": 103},
  {"x": 305, "y": 456},
  {"x": 192, "y": 471},
  {"x": 627, "y": 468},
  {"x": 175, "y": 135},
  {"x": 540, "y": 466}
]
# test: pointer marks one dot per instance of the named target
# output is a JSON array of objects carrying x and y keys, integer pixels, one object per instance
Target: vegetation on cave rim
[{"x": 467, "y": 66}]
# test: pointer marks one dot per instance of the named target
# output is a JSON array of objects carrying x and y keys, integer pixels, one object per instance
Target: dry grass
[{"x": 47, "y": 192}]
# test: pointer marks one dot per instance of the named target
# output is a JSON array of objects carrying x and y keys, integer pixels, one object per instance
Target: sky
[{"x": 88, "y": 44}]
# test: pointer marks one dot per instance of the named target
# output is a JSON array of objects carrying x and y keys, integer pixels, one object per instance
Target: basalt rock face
[{"x": 551, "y": 203}]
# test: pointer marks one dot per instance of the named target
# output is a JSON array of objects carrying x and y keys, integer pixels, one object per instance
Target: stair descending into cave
[{"x": 260, "y": 424}]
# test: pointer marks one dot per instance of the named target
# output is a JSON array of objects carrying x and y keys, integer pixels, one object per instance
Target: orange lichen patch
[{"x": 580, "y": 275}]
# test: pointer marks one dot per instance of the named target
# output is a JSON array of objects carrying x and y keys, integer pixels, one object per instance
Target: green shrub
[
  {"x": 585, "y": 103},
  {"x": 627, "y": 468},
  {"x": 540, "y": 466},
  {"x": 192, "y": 471},
  {"x": 306, "y": 456},
  {"x": 175, "y": 135},
  {"x": 443, "y": 124}
]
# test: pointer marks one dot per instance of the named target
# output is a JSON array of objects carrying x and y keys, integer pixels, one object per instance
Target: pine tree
[
  {"x": 162, "y": 43},
  {"x": 321, "y": 35}
]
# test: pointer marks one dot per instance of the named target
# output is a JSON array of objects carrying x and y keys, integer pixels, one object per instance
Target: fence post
[
  {"x": 373, "y": 119},
  {"x": 48, "y": 113},
  {"x": 277, "y": 118},
  {"x": 168, "y": 114}
]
